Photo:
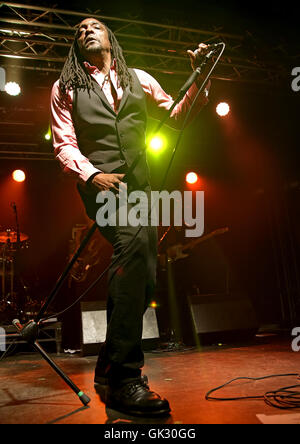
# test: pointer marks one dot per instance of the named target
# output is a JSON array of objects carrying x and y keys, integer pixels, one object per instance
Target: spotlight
[
  {"x": 48, "y": 135},
  {"x": 12, "y": 88},
  {"x": 156, "y": 144},
  {"x": 19, "y": 176},
  {"x": 223, "y": 109},
  {"x": 191, "y": 178},
  {"x": 153, "y": 304}
]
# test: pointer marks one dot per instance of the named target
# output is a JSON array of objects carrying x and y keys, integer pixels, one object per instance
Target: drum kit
[{"x": 12, "y": 291}]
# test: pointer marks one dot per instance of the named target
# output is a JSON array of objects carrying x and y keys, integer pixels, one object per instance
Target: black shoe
[
  {"x": 101, "y": 376},
  {"x": 101, "y": 379},
  {"x": 135, "y": 398}
]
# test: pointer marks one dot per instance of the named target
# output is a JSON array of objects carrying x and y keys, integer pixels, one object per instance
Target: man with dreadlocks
[{"x": 99, "y": 109}]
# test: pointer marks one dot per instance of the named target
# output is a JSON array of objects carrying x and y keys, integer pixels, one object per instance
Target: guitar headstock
[{"x": 220, "y": 231}]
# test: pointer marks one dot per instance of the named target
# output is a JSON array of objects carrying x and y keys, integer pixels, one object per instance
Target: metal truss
[
  {"x": 41, "y": 37},
  {"x": 37, "y": 38}
]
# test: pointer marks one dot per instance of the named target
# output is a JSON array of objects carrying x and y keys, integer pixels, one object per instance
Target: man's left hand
[{"x": 196, "y": 55}]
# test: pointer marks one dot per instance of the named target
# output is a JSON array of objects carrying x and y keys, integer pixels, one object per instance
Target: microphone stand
[
  {"x": 14, "y": 207},
  {"x": 17, "y": 275},
  {"x": 29, "y": 332},
  {"x": 175, "y": 343}
]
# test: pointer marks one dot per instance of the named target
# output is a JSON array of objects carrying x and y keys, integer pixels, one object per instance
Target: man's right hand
[{"x": 105, "y": 182}]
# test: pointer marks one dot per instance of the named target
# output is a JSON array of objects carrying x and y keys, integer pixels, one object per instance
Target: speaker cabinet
[
  {"x": 93, "y": 320},
  {"x": 222, "y": 317}
]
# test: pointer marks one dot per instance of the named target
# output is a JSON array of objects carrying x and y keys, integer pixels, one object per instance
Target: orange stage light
[
  {"x": 223, "y": 109},
  {"x": 19, "y": 176},
  {"x": 191, "y": 178}
]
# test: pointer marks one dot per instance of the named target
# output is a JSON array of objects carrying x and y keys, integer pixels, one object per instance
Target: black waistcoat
[{"x": 112, "y": 140}]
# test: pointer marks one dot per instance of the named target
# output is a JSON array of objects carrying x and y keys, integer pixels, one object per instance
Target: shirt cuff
[
  {"x": 88, "y": 173},
  {"x": 89, "y": 181}
]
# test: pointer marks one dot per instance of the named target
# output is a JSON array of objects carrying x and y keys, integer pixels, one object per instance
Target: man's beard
[{"x": 93, "y": 48}]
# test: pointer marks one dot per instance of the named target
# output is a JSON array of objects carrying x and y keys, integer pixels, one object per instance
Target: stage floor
[{"x": 31, "y": 393}]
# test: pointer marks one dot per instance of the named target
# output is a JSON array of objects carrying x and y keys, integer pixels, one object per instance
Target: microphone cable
[
  {"x": 161, "y": 188},
  {"x": 284, "y": 398}
]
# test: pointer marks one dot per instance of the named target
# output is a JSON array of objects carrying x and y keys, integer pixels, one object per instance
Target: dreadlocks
[{"x": 74, "y": 74}]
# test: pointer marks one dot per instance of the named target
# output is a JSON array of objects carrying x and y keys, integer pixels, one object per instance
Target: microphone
[
  {"x": 210, "y": 50},
  {"x": 215, "y": 45},
  {"x": 17, "y": 324},
  {"x": 202, "y": 59}
]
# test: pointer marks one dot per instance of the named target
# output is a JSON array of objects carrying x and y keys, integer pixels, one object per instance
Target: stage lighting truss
[
  {"x": 41, "y": 37},
  {"x": 37, "y": 38}
]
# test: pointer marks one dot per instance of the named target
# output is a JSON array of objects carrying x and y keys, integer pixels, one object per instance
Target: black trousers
[{"x": 131, "y": 285}]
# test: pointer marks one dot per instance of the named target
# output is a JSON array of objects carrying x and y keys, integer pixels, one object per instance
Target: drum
[
  {"x": 10, "y": 243},
  {"x": 9, "y": 240}
]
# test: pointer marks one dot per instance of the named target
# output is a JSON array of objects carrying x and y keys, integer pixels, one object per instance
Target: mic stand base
[
  {"x": 29, "y": 332},
  {"x": 174, "y": 343}
]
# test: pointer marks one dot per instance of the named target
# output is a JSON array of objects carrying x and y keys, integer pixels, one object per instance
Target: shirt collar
[{"x": 93, "y": 69}]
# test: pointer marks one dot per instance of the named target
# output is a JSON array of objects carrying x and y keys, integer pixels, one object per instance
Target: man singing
[{"x": 99, "y": 111}]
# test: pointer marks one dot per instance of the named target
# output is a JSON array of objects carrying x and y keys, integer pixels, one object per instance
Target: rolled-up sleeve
[
  {"x": 159, "y": 101},
  {"x": 64, "y": 138}
]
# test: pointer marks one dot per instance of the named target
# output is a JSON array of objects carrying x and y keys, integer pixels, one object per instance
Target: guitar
[
  {"x": 179, "y": 251},
  {"x": 88, "y": 259}
]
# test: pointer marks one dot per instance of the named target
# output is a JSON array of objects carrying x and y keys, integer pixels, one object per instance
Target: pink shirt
[{"x": 158, "y": 101}]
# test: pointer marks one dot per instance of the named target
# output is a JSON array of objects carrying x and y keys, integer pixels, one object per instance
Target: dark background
[{"x": 248, "y": 164}]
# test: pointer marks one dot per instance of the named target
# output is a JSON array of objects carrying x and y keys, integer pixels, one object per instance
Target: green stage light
[
  {"x": 48, "y": 134},
  {"x": 156, "y": 144}
]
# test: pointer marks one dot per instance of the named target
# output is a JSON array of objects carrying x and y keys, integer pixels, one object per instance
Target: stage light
[
  {"x": 223, "y": 109},
  {"x": 153, "y": 304},
  {"x": 12, "y": 88},
  {"x": 48, "y": 136},
  {"x": 19, "y": 176},
  {"x": 191, "y": 178},
  {"x": 156, "y": 144}
]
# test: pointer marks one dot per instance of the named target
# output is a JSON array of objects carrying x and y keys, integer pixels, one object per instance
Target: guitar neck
[
  {"x": 197, "y": 241},
  {"x": 193, "y": 243}
]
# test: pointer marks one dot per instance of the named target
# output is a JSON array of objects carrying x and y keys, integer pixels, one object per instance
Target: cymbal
[{"x": 11, "y": 236}]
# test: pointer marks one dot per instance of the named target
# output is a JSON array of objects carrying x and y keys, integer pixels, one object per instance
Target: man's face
[{"x": 92, "y": 37}]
